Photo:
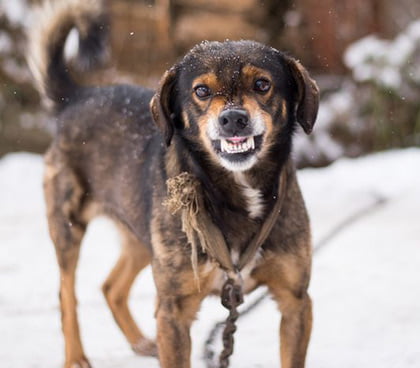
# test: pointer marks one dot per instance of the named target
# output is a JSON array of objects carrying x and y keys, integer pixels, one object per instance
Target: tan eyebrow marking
[
  {"x": 209, "y": 79},
  {"x": 251, "y": 73}
]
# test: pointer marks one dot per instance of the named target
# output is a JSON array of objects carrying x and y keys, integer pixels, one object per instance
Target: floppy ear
[
  {"x": 161, "y": 105},
  {"x": 308, "y": 96}
]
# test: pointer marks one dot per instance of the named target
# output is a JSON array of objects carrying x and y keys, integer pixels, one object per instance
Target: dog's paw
[
  {"x": 79, "y": 363},
  {"x": 145, "y": 347}
]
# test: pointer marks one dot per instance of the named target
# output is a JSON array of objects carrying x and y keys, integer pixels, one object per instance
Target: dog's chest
[
  {"x": 252, "y": 196},
  {"x": 219, "y": 278}
]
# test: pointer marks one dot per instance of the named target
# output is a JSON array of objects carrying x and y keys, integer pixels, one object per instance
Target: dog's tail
[{"x": 47, "y": 44}]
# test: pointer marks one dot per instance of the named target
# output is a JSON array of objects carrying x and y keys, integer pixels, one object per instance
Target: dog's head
[{"x": 234, "y": 99}]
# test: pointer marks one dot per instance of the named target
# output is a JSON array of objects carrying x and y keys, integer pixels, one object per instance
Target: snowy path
[{"x": 365, "y": 282}]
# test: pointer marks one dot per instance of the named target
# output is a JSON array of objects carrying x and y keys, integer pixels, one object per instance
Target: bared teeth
[
  {"x": 230, "y": 146},
  {"x": 251, "y": 142}
]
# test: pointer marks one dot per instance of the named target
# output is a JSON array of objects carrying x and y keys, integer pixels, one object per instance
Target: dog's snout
[{"x": 233, "y": 120}]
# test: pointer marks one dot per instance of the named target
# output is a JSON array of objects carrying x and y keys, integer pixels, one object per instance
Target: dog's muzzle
[{"x": 238, "y": 140}]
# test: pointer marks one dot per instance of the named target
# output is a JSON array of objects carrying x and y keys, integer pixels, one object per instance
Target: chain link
[{"x": 232, "y": 297}]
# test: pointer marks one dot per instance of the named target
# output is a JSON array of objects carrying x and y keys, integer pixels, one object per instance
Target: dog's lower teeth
[{"x": 230, "y": 147}]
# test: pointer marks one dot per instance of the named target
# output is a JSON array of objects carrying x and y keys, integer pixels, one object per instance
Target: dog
[{"x": 225, "y": 114}]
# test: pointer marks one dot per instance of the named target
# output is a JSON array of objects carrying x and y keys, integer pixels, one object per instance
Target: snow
[
  {"x": 383, "y": 61},
  {"x": 338, "y": 106},
  {"x": 365, "y": 282}
]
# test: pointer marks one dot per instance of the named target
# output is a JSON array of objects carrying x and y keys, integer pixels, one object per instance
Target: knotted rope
[{"x": 185, "y": 195}]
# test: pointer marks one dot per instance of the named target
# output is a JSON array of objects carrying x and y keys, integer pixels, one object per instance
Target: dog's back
[
  {"x": 104, "y": 136},
  {"x": 102, "y": 133}
]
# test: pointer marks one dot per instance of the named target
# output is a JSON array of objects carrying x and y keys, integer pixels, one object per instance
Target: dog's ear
[
  {"x": 308, "y": 96},
  {"x": 162, "y": 103}
]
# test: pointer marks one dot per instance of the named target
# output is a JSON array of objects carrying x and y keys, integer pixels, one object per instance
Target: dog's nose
[{"x": 233, "y": 119}]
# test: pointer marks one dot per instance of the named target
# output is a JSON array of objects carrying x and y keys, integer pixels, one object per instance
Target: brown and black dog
[{"x": 226, "y": 114}]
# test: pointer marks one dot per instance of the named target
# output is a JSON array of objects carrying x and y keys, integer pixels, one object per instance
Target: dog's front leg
[
  {"x": 174, "y": 317},
  {"x": 178, "y": 300},
  {"x": 287, "y": 277},
  {"x": 295, "y": 329}
]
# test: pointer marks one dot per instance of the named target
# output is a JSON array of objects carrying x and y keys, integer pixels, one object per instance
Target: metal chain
[{"x": 232, "y": 297}]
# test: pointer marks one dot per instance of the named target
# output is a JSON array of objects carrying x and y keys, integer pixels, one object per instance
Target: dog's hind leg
[
  {"x": 134, "y": 257},
  {"x": 63, "y": 194}
]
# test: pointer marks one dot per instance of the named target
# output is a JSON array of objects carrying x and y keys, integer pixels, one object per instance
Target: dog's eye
[
  {"x": 262, "y": 85},
  {"x": 202, "y": 91}
]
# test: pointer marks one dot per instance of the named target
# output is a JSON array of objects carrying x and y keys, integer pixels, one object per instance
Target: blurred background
[{"x": 364, "y": 54}]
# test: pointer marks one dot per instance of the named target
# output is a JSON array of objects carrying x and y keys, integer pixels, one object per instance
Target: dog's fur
[{"x": 112, "y": 155}]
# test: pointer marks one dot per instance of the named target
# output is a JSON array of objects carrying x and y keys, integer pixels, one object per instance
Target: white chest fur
[{"x": 252, "y": 196}]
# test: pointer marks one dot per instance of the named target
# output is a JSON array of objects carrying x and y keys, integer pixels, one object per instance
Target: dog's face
[{"x": 233, "y": 100}]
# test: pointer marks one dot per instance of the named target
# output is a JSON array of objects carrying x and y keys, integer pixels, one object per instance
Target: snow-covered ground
[{"x": 365, "y": 284}]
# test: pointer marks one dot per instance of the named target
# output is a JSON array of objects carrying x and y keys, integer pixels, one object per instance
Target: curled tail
[{"x": 47, "y": 39}]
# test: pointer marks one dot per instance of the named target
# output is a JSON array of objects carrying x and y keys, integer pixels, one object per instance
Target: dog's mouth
[{"x": 230, "y": 147}]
